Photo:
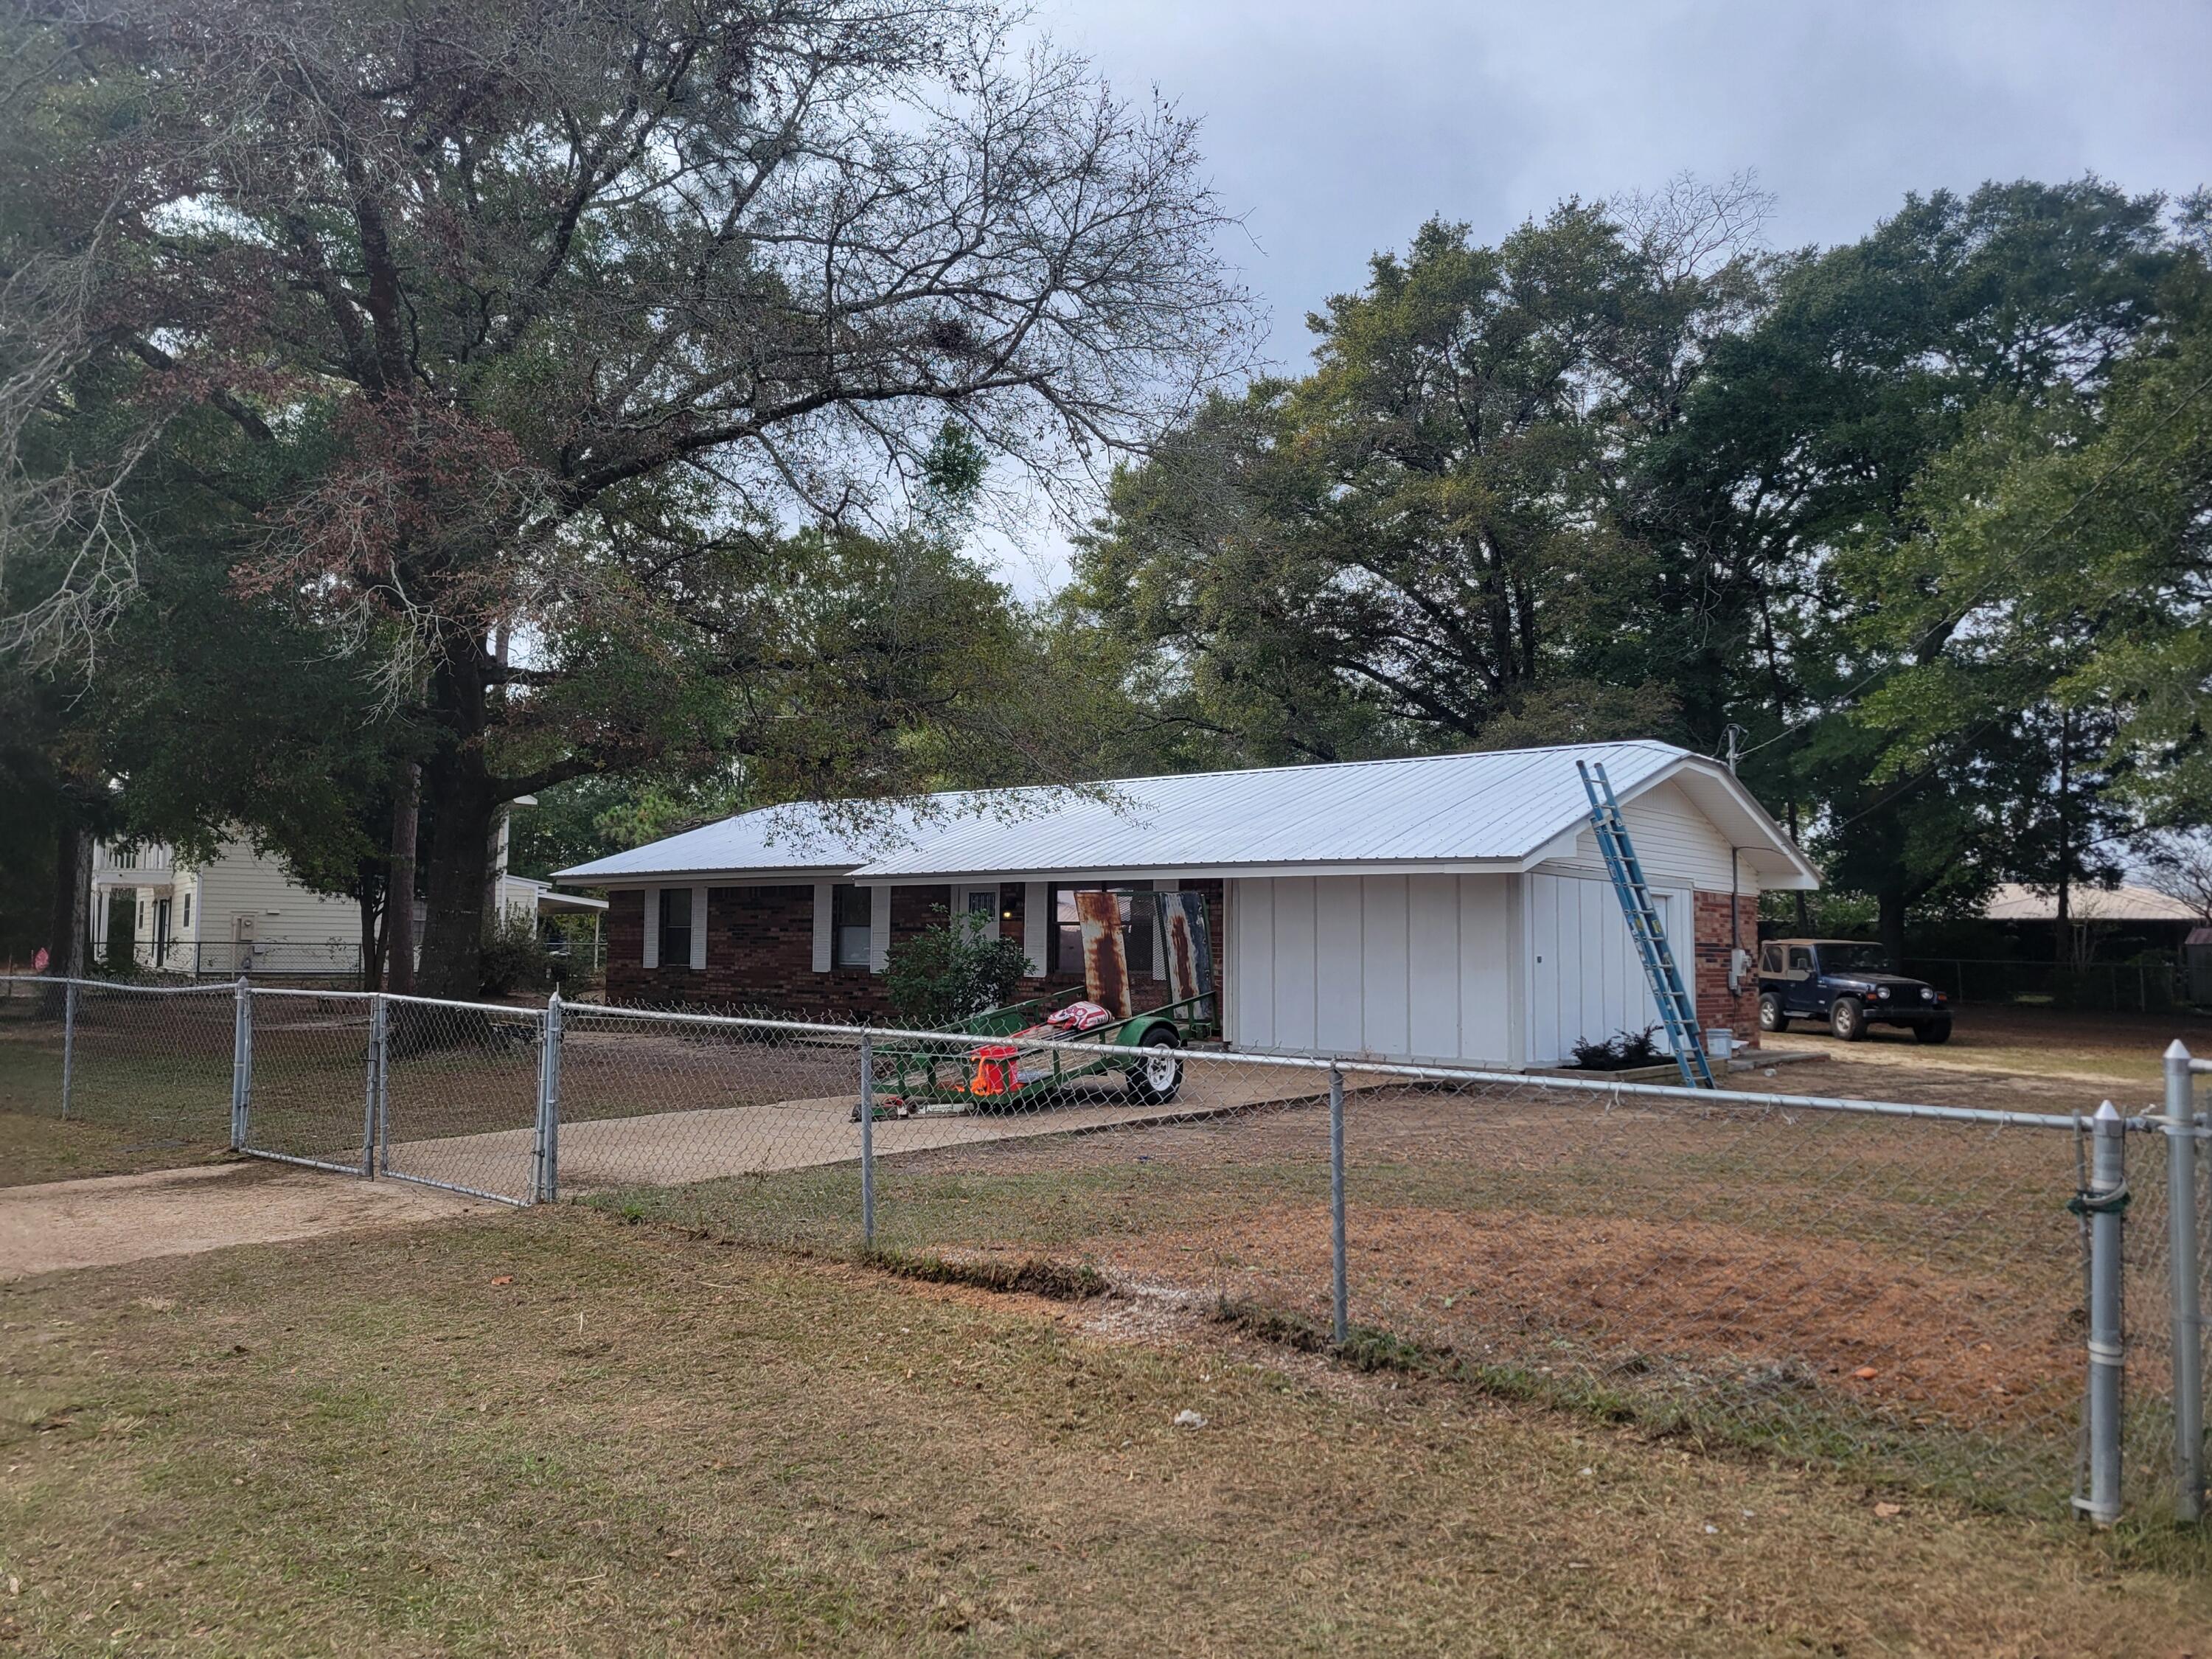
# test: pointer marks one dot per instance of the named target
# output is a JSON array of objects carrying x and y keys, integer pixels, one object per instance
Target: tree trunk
[
  {"x": 1804, "y": 909},
  {"x": 69, "y": 929},
  {"x": 370, "y": 910},
  {"x": 461, "y": 799},
  {"x": 1889, "y": 923},
  {"x": 399, "y": 882}
]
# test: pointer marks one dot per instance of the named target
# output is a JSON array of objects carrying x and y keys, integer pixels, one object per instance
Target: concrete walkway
[{"x": 673, "y": 1148}]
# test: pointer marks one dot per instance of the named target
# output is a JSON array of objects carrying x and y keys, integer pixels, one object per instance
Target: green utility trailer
[{"x": 985, "y": 1066}]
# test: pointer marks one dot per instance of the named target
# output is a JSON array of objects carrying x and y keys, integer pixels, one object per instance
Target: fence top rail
[
  {"x": 1557, "y": 1086},
  {"x": 432, "y": 1002},
  {"x": 210, "y": 988},
  {"x": 261, "y": 990}
]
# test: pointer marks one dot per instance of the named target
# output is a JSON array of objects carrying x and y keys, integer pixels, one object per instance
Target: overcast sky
[{"x": 1335, "y": 126}]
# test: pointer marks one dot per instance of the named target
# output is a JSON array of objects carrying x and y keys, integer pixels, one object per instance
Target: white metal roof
[
  {"x": 1503, "y": 809},
  {"x": 2014, "y": 902}
]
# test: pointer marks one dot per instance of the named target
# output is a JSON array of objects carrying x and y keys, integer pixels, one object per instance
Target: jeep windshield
[{"x": 1854, "y": 959}]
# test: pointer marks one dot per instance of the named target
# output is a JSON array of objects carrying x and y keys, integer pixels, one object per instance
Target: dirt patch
[
  {"x": 1505, "y": 1286},
  {"x": 117, "y": 1219}
]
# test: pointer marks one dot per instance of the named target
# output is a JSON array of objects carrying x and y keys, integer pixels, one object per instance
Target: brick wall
[
  {"x": 760, "y": 951},
  {"x": 1716, "y": 1006}
]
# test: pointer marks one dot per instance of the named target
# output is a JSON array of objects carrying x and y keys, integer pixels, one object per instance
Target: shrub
[
  {"x": 950, "y": 970},
  {"x": 514, "y": 958},
  {"x": 1624, "y": 1051}
]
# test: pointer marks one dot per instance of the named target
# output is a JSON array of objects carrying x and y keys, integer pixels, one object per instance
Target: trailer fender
[{"x": 1134, "y": 1034}]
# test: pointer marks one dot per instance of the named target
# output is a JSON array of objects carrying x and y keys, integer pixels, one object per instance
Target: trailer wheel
[{"x": 1156, "y": 1077}]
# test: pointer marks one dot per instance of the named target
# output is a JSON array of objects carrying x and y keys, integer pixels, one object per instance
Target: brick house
[{"x": 1448, "y": 908}]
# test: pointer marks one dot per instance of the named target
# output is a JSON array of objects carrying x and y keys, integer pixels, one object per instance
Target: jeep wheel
[
  {"x": 1847, "y": 1019},
  {"x": 1771, "y": 1017},
  {"x": 1157, "y": 1078},
  {"x": 1935, "y": 1030}
]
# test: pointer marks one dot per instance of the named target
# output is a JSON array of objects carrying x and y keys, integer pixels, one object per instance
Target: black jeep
[{"x": 1848, "y": 983}]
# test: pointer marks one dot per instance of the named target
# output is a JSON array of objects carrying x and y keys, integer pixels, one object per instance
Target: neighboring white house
[
  {"x": 237, "y": 912},
  {"x": 240, "y": 912},
  {"x": 1450, "y": 907}
]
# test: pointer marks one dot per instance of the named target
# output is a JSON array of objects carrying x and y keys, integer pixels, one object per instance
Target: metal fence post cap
[
  {"x": 2107, "y": 1113},
  {"x": 2177, "y": 1049}
]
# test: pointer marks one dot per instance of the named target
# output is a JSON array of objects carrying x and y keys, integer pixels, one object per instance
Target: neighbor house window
[
  {"x": 675, "y": 926},
  {"x": 1067, "y": 930},
  {"x": 187, "y": 922},
  {"x": 851, "y": 922}
]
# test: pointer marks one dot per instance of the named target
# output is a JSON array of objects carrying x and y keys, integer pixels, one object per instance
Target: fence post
[
  {"x": 69, "y": 1042},
  {"x": 867, "y": 1140},
  {"x": 2188, "y": 1307},
  {"x": 2105, "y": 1203},
  {"x": 241, "y": 1065},
  {"x": 372, "y": 1092},
  {"x": 1342, "y": 1292},
  {"x": 545, "y": 1162},
  {"x": 380, "y": 1035}
]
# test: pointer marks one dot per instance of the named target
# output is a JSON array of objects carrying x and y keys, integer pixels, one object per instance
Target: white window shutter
[
  {"x": 653, "y": 927},
  {"x": 825, "y": 914},
  {"x": 1036, "y": 925},
  {"x": 699, "y": 928},
  {"x": 879, "y": 929}
]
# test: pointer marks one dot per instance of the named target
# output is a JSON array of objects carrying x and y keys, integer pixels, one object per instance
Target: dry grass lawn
[
  {"x": 2021, "y": 1048},
  {"x": 551, "y": 1432}
]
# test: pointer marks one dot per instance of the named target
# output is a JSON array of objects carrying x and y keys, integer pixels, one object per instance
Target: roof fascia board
[
  {"x": 797, "y": 875},
  {"x": 1798, "y": 874},
  {"x": 1202, "y": 871}
]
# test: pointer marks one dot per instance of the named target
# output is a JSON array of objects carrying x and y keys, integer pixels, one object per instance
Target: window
[
  {"x": 1856, "y": 958},
  {"x": 1800, "y": 962},
  {"x": 1770, "y": 961},
  {"x": 187, "y": 922},
  {"x": 1137, "y": 929},
  {"x": 983, "y": 902},
  {"x": 851, "y": 926},
  {"x": 675, "y": 926}
]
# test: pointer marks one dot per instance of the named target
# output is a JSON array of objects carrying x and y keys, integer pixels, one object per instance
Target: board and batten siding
[
  {"x": 1585, "y": 980},
  {"x": 1390, "y": 967},
  {"x": 1675, "y": 843}
]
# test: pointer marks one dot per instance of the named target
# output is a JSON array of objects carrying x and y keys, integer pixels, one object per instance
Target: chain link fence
[{"x": 1901, "y": 1291}]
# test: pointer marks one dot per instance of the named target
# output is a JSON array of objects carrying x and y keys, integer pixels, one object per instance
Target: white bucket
[{"x": 1720, "y": 1042}]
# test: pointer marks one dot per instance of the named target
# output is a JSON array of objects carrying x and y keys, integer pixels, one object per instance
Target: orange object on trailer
[{"x": 994, "y": 1069}]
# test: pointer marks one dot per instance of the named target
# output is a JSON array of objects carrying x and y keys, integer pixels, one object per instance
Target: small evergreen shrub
[{"x": 950, "y": 970}]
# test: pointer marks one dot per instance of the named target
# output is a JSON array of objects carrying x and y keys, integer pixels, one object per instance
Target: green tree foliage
[
  {"x": 577, "y": 310},
  {"x": 1623, "y": 474},
  {"x": 950, "y": 969},
  {"x": 1419, "y": 543}
]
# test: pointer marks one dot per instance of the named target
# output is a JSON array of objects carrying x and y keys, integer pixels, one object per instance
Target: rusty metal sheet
[
  {"x": 1105, "y": 962},
  {"x": 1189, "y": 951}
]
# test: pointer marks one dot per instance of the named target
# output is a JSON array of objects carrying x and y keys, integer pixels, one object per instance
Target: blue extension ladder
[{"x": 1683, "y": 1036}]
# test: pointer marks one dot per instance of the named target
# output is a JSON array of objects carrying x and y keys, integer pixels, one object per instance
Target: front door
[{"x": 980, "y": 902}]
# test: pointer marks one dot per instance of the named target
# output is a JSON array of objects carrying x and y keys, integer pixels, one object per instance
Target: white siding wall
[
  {"x": 1673, "y": 839},
  {"x": 1419, "y": 967},
  {"x": 240, "y": 883},
  {"x": 1585, "y": 980}
]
